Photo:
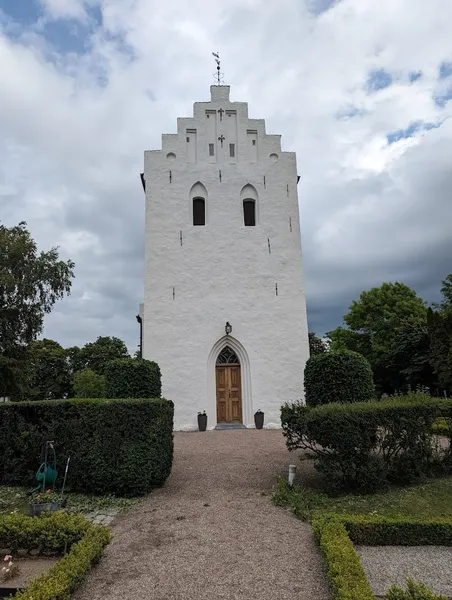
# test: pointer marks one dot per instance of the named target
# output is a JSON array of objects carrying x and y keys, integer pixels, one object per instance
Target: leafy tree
[
  {"x": 440, "y": 332},
  {"x": 381, "y": 313},
  {"x": 88, "y": 384},
  {"x": 96, "y": 355},
  {"x": 446, "y": 291},
  {"x": 316, "y": 345},
  {"x": 407, "y": 364},
  {"x": 74, "y": 359},
  {"x": 30, "y": 284},
  {"x": 344, "y": 339},
  {"x": 48, "y": 375}
]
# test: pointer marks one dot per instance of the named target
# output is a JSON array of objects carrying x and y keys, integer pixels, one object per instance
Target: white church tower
[{"x": 224, "y": 311}]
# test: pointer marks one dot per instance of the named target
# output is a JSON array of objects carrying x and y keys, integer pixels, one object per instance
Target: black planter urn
[
  {"x": 202, "y": 421},
  {"x": 259, "y": 419}
]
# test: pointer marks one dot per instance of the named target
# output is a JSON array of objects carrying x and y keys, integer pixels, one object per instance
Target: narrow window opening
[
  {"x": 188, "y": 139},
  {"x": 232, "y": 150},
  {"x": 249, "y": 213},
  {"x": 254, "y": 142},
  {"x": 199, "y": 211},
  {"x": 211, "y": 150}
]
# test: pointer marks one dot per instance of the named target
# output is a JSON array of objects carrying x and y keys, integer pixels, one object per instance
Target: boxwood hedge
[
  {"x": 365, "y": 446},
  {"x": 123, "y": 447},
  {"x": 58, "y": 532},
  {"x": 335, "y": 535},
  {"x": 338, "y": 377}
]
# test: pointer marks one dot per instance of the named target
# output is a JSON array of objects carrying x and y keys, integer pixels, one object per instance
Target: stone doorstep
[{"x": 231, "y": 426}]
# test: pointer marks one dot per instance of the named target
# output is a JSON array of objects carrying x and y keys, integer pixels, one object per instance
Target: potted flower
[
  {"x": 202, "y": 421},
  {"x": 48, "y": 501},
  {"x": 259, "y": 419},
  {"x": 9, "y": 570}
]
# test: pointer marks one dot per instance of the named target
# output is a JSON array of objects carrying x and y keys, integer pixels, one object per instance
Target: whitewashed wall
[{"x": 197, "y": 278}]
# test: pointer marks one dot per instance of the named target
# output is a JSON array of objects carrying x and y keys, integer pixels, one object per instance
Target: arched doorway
[{"x": 228, "y": 387}]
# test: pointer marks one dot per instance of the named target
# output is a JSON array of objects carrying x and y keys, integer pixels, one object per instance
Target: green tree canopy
[
  {"x": 88, "y": 384},
  {"x": 48, "y": 374},
  {"x": 316, "y": 345},
  {"x": 96, "y": 355},
  {"x": 30, "y": 284},
  {"x": 382, "y": 312}
]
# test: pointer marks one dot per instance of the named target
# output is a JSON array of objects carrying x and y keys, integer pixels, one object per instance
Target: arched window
[
  {"x": 249, "y": 199},
  {"x": 199, "y": 211},
  {"x": 249, "y": 212},
  {"x": 227, "y": 357},
  {"x": 198, "y": 204}
]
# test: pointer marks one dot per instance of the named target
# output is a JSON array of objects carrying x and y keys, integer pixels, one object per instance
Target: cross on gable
[
  {"x": 221, "y": 139},
  {"x": 220, "y": 112}
]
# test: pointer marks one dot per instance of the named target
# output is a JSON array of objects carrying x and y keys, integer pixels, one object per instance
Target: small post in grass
[{"x": 292, "y": 471}]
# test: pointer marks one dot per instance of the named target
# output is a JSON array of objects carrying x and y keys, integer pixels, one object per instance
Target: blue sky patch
[
  {"x": 442, "y": 99},
  {"x": 445, "y": 70},
  {"x": 378, "y": 79},
  {"x": 414, "y": 76},
  {"x": 317, "y": 7},
  {"x": 400, "y": 134},
  {"x": 25, "y": 12},
  {"x": 350, "y": 111}
]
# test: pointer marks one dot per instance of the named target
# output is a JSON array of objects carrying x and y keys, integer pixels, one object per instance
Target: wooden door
[{"x": 229, "y": 394}]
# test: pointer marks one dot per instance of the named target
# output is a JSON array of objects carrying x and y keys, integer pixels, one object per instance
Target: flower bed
[{"x": 79, "y": 543}]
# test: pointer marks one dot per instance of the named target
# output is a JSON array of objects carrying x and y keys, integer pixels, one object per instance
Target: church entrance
[{"x": 229, "y": 387}]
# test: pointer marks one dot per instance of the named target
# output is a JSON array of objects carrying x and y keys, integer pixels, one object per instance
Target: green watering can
[{"x": 47, "y": 474}]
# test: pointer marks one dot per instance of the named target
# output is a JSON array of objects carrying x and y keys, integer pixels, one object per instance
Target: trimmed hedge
[
  {"x": 348, "y": 581},
  {"x": 414, "y": 591},
  {"x": 123, "y": 447},
  {"x": 343, "y": 567},
  {"x": 51, "y": 533},
  {"x": 86, "y": 543},
  {"x": 133, "y": 378},
  {"x": 365, "y": 446},
  {"x": 338, "y": 377},
  {"x": 371, "y": 530}
]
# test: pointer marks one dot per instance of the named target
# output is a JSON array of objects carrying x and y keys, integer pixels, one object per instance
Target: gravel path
[
  {"x": 212, "y": 532},
  {"x": 388, "y": 565}
]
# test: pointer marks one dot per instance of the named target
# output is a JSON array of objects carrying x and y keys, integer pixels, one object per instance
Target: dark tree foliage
[
  {"x": 316, "y": 346},
  {"x": 30, "y": 284}
]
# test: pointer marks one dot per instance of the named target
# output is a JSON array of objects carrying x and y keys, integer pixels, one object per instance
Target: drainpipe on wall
[{"x": 140, "y": 321}]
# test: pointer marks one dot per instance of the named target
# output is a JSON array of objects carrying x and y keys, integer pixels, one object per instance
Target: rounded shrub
[
  {"x": 133, "y": 378},
  {"x": 338, "y": 377}
]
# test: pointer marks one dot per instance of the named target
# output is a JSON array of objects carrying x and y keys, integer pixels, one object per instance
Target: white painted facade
[{"x": 199, "y": 277}]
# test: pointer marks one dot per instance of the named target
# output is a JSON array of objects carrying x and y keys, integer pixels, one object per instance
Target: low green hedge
[
  {"x": 343, "y": 566},
  {"x": 414, "y": 591},
  {"x": 382, "y": 531},
  {"x": 48, "y": 534},
  {"x": 85, "y": 542},
  {"x": 367, "y": 445},
  {"x": 335, "y": 535},
  {"x": 442, "y": 426},
  {"x": 124, "y": 447}
]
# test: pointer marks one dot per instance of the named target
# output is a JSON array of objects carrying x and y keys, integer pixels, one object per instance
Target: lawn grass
[
  {"x": 14, "y": 499},
  {"x": 430, "y": 499}
]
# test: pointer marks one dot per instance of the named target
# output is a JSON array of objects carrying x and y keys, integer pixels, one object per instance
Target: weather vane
[{"x": 218, "y": 76}]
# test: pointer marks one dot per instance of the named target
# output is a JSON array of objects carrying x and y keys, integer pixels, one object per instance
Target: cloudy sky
[{"x": 360, "y": 89}]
